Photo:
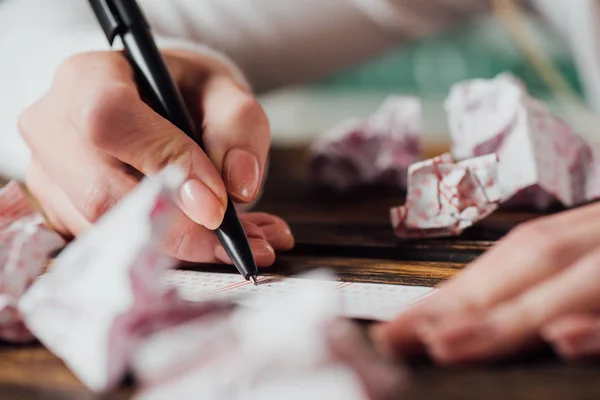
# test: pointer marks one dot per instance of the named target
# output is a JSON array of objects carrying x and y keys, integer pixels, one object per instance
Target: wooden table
[{"x": 351, "y": 234}]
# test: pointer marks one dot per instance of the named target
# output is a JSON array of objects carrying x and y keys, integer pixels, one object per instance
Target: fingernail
[
  {"x": 288, "y": 239},
  {"x": 242, "y": 173},
  {"x": 569, "y": 330},
  {"x": 263, "y": 252},
  {"x": 201, "y": 205}
]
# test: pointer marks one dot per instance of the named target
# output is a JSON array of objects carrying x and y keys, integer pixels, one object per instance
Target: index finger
[
  {"x": 236, "y": 134},
  {"x": 235, "y": 129}
]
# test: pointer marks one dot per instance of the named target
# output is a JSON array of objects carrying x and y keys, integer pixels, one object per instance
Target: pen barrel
[
  {"x": 156, "y": 82},
  {"x": 229, "y": 233},
  {"x": 125, "y": 18}
]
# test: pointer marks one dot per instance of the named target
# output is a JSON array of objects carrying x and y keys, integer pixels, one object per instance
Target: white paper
[
  {"x": 281, "y": 350},
  {"x": 374, "y": 301},
  {"x": 332, "y": 383}
]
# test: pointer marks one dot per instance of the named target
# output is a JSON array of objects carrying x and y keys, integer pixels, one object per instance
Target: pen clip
[
  {"x": 108, "y": 19},
  {"x": 117, "y": 16}
]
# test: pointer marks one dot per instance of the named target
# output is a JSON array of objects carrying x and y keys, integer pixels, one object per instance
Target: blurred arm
[
  {"x": 279, "y": 42},
  {"x": 274, "y": 42}
]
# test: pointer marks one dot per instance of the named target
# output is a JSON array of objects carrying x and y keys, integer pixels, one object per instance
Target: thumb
[{"x": 119, "y": 123}]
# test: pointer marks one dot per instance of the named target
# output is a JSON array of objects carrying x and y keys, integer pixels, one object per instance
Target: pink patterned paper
[
  {"x": 376, "y": 150},
  {"x": 445, "y": 197},
  {"x": 104, "y": 294},
  {"x": 541, "y": 157},
  {"x": 25, "y": 245}
]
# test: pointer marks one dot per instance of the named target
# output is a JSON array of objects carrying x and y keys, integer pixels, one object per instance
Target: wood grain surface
[{"x": 351, "y": 234}]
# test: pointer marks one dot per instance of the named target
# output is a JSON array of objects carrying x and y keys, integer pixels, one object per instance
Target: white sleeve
[
  {"x": 279, "y": 42},
  {"x": 35, "y": 36},
  {"x": 274, "y": 42}
]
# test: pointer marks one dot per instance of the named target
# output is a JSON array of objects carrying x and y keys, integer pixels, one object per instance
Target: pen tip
[{"x": 253, "y": 277}]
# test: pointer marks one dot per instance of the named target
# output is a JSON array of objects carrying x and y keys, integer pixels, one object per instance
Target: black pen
[{"x": 125, "y": 19}]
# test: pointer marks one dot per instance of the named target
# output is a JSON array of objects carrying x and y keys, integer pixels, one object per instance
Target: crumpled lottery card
[
  {"x": 293, "y": 348},
  {"x": 104, "y": 292},
  {"x": 25, "y": 245},
  {"x": 445, "y": 197},
  {"x": 377, "y": 150},
  {"x": 540, "y": 157}
]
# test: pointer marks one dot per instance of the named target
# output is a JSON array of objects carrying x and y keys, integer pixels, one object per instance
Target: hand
[
  {"x": 540, "y": 283},
  {"x": 381, "y": 378},
  {"x": 92, "y": 138}
]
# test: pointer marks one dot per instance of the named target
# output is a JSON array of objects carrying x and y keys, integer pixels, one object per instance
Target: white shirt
[{"x": 273, "y": 42}]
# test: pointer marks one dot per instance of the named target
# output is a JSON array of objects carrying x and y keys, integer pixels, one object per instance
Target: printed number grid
[{"x": 358, "y": 300}]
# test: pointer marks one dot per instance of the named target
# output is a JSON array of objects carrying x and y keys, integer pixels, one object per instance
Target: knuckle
[
  {"x": 73, "y": 66},
  {"x": 30, "y": 120},
  {"x": 542, "y": 239},
  {"x": 25, "y": 124},
  {"x": 173, "y": 152},
  {"x": 248, "y": 106},
  {"x": 97, "y": 200},
  {"x": 32, "y": 179},
  {"x": 179, "y": 242},
  {"x": 248, "y": 112},
  {"x": 82, "y": 64},
  {"x": 100, "y": 110},
  {"x": 36, "y": 184},
  {"x": 527, "y": 311}
]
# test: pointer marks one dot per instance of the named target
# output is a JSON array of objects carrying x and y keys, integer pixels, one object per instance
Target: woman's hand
[
  {"x": 540, "y": 283},
  {"x": 92, "y": 138}
]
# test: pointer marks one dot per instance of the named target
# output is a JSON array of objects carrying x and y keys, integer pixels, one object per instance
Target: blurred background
[{"x": 427, "y": 68}]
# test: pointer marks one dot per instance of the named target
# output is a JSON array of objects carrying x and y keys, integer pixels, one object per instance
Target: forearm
[{"x": 283, "y": 42}]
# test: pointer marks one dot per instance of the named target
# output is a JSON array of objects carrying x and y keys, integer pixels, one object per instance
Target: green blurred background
[
  {"x": 426, "y": 68},
  {"x": 430, "y": 66}
]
